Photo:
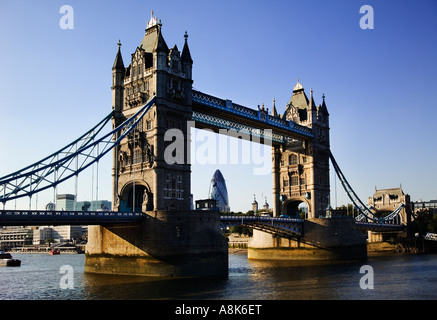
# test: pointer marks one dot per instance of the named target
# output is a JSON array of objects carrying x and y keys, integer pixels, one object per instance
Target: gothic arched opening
[
  {"x": 136, "y": 199},
  {"x": 296, "y": 209}
]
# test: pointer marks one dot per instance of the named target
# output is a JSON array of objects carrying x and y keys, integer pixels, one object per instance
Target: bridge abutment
[
  {"x": 166, "y": 244},
  {"x": 324, "y": 239}
]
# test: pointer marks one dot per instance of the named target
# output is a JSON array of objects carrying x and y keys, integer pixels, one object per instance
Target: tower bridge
[{"x": 151, "y": 229}]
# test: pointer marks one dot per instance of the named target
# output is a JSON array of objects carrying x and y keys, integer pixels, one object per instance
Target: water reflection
[
  {"x": 396, "y": 278},
  {"x": 305, "y": 279},
  {"x": 134, "y": 288},
  {"x": 247, "y": 279}
]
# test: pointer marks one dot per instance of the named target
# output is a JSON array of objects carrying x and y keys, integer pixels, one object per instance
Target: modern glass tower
[{"x": 218, "y": 191}]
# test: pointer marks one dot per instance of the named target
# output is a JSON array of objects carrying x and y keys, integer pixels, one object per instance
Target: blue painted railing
[{"x": 258, "y": 115}]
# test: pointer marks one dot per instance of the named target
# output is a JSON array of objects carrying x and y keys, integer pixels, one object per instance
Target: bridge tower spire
[
  {"x": 118, "y": 72},
  {"x": 117, "y": 80}
]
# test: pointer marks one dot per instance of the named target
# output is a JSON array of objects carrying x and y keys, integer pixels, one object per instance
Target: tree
[
  {"x": 424, "y": 222},
  {"x": 241, "y": 230}
]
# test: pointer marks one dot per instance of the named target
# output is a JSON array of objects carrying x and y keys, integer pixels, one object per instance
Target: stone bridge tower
[
  {"x": 301, "y": 168},
  {"x": 142, "y": 179},
  {"x": 301, "y": 175},
  {"x": 171, "y": 240},
  {"x": 388, "y": 200}
]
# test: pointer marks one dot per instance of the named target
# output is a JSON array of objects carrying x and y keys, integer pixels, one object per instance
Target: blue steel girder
[
  {"x": 379, "y": 227},
  {"x": 69, "y": 161},
  {"x": 282, "y": 227},
  {"x": 39, "y": 217},
  {"x": 220, "y": 110},
  {"x": 241, "y": 129}
]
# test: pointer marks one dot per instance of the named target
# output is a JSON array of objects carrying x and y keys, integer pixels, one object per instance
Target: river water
[{"x": 397, "y": 277}]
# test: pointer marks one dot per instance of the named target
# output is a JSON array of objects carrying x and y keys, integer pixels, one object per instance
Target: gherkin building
[{"x": 218, "y": 191}]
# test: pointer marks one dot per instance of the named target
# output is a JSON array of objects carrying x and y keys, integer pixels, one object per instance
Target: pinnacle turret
[
  {"x": 118, "y": 63},
  {"x": 186, "y": 56}
]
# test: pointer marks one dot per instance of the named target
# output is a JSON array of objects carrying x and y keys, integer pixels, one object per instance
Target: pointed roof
[
  {"x": 254, "y": 200},
  {"x": 174, "y": 50},
  {"x": 323, "y": 107},
  {"x": 312, "y": 104},
  {"x": 153, "y": 39},
  {"x": 298, "y": 86},
  {"x": 299, "y": 98},
  {"x": 274, "y": 112},
  {"x": 186, "y": 56},
  {"x": 152, "y": 22},
  {"x": 118, "y": 63}
]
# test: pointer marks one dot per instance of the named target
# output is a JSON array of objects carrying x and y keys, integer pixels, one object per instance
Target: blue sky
[{"x": 379, "y": 84}]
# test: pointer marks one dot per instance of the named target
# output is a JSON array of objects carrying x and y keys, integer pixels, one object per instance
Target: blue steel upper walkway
[{"x": 215, "y": 113}]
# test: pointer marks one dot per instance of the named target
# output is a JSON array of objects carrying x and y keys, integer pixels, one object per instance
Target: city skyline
[{"x": 378, "y": 83}]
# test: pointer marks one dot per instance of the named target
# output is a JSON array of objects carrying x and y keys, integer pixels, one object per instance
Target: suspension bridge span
[
  {"x": 151, "y": 229},
  {"x": 71, "y": 160}
]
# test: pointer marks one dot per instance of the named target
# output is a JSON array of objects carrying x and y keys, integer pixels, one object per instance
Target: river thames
[{"x": 396, "y": 277}]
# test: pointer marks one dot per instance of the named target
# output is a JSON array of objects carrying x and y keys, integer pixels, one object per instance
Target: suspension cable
[
  {"x": 52, "y": 170},
  {"x": 364, "y": 211}
]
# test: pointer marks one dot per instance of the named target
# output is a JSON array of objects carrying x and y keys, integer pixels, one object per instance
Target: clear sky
[{"x": 379, "y": 83}]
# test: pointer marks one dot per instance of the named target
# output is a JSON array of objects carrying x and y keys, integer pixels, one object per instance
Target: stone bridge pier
[
  {"x": 324, "y": 239},
  {"x": 166, "y": 244}
]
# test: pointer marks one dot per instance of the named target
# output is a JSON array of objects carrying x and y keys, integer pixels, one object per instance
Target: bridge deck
[
  {"x": 37, "y": 217},
  {"x": 379, "y": 227},
  {"x": 280, "y": 226}
]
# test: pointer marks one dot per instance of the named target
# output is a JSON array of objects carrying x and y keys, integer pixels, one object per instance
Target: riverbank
[
  {"x": 404, "y": 245},
  {"x": 395, "y": 247},
  {"x": 45, "y": 252},
  {"x": 231, "y": 250},
  {"x": 70, "y": 249}
]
